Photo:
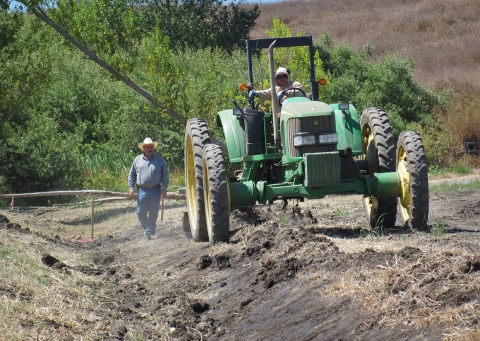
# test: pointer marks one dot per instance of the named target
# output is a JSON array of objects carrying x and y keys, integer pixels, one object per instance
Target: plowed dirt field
[{"x": 310, "y": 272}]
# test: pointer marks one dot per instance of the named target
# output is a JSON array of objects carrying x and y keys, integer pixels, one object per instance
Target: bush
[{"x": 387, "y": 83}]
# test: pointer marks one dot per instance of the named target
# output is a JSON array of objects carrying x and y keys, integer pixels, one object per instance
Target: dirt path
[{"x": 286, "y": 275}]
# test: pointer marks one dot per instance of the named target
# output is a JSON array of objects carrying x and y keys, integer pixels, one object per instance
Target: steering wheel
[{"x": 282, "y": 93}]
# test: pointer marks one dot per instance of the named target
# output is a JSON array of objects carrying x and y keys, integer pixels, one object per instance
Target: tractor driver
[{"x": 282, "y": 78}]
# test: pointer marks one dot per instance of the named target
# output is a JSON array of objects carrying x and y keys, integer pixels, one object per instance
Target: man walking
[{"x": 150, "y": 173}]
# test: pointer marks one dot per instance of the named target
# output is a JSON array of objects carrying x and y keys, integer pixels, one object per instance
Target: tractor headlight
[
  {"x": 303, "y": 139},
  {"x": 328, "y": 138}
]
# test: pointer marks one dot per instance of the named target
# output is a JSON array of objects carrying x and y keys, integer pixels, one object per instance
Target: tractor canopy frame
[{"x": 264, "y": 43}]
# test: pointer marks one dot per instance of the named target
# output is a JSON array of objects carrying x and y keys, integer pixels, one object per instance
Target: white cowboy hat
[{"x": 148, "y": 140}]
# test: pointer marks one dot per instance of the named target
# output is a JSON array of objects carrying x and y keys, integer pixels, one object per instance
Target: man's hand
[
  {"x": 252, "y": 94},
  {"x": 164, "y": 196},
  {"x": 132, "y": 193}
]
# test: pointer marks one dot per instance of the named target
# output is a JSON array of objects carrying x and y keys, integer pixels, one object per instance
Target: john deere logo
[{"x": 316, "y": 122}]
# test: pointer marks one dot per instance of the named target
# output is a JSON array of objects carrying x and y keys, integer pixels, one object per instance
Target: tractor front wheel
[
  {"x": 196, "y": 137},
  {"x": 378, "y": 149},
  {"x": 412, "y": 170},
  {"x": 217, "y": 194}
]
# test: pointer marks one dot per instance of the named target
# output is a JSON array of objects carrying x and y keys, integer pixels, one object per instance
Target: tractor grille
[
  {"x": 315, "y": 125},
  {"x": 322, "y": 169}
]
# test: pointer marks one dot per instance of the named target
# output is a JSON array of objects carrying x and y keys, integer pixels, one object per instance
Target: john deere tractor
[{"x": 309, "y": 150}]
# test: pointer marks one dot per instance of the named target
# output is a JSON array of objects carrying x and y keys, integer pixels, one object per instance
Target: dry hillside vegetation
[{"x": 440, "y": 35}]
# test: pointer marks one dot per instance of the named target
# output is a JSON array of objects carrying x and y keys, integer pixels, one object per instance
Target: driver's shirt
[{"x": 267, "y": 94}]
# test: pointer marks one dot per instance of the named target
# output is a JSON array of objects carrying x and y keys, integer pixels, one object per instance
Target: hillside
[{"x": 441, "y": 36}]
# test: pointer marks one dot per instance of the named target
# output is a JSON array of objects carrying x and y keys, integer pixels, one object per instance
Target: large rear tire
[
  {"x": 217, "y": 194},
  {"x": 378, "y": 149},
  {"x": 412, "y": 170},
  {"x": 196, "y": 137}
]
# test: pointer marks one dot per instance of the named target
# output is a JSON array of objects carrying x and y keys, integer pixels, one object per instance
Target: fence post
[{"x": 93, "y": 211}]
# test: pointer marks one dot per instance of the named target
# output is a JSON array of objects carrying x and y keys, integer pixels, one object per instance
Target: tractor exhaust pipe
[{"x": 276, "y": 137}]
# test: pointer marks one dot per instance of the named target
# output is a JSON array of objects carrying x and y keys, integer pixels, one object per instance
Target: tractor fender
[
  {"x": 348, "y": 129},
  {"x": 234, "y": 130}
]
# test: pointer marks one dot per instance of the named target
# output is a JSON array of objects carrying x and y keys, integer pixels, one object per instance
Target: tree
[
  {"x": 200, "y": 24},
  {"x": 39, "y": 13}
]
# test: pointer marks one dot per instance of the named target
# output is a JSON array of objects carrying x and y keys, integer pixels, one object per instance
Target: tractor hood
[{"x": 301, "y": 106}]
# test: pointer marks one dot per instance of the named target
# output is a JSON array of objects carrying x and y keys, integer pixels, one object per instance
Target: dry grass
[
  {"x": 441, "y": 36},
  {"x": 414, "y": 302},
  {"x": 75, "y": 222},
  {"x": 376, "y": 292},
  {"x": 445, "y": 142},
  {"x": 36, "y": 301}
]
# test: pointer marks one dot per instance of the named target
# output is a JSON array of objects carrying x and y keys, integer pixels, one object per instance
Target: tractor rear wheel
[
  {"x": 217, "y": 194},
  {"x": 378, "y": 149},
  {"x": 196, "y": 137},
  {"x": 412, "y": 170}
]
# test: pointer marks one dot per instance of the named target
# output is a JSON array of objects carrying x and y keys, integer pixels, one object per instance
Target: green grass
[
  {"x": 438, "y": 226},
  {"x": 378, "y": 229},
  {"x": 105, "y": 170},
  {"x": 436, "y": 170},
  {"x": 462, "y": 169},
  {"x": 341, "y": 213},
  {"x": 455, "y": 186}
]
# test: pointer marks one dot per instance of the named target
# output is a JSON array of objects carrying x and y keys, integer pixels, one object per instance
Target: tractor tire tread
[
  {"x": 417, "y": 167},
  {"x": 199, "y": 134},
  {"x": 379, "y": 124},
  {"x": 218, "y": 226}
]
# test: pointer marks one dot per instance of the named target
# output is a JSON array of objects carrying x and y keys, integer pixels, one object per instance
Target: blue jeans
[{"x": 148, "y": 204}]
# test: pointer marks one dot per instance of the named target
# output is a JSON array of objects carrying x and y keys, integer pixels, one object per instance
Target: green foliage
[
  {"x": 40, "y": 158},
  {"x": 296, "y": 59},
  {"x": 340, "y": 212},
  {"x": 106, "y": 167},
  {"x": 204, "y": 24},
  {"x": 387, "y": 83},
  {"x": 462, "y": 169},
  {"x": 194, "y": 83},
  {"x": 10, "y": 24},
  {"x": 110, "y": 28},
  {"x": 24, "y": 67},
  {"x": 438, "y": 227},
  {"x": 67, "y": 124},
  {"x": 436, "y": 170}
]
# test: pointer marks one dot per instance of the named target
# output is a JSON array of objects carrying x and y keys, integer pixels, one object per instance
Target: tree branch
[{"x": 43, "y": 16}]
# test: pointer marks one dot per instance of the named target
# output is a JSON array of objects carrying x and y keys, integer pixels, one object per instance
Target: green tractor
[{"x": 310, "y": 150}]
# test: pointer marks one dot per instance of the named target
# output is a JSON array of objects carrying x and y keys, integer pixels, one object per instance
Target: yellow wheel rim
[
  {"x": 191, "y": 182},
  {"x": 404, "y": 176},
  {"x": 371, "y": 202}
]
